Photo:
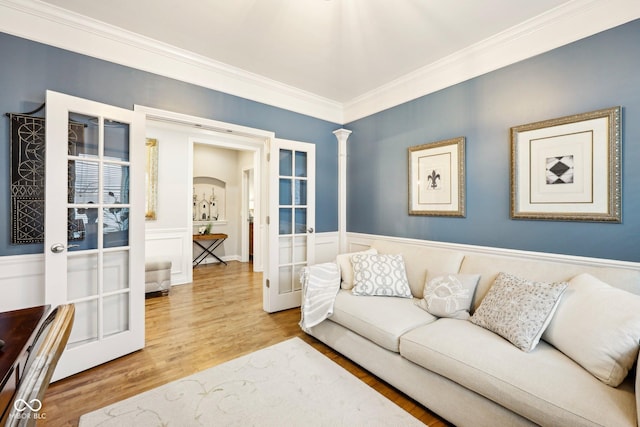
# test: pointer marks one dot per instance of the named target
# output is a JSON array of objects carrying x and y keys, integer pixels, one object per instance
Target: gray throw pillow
[{"x": 449, "y": 295}]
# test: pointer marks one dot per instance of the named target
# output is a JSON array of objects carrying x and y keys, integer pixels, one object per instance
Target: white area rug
[{"x": 288, "y": 384}]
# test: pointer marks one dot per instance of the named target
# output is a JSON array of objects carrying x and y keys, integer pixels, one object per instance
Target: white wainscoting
[
  {"x": 21, "y": 281},
  {"x": 173, "y": 244},
  {"x": 358, "y": 242},
  {"x": 326, "y": 247}
]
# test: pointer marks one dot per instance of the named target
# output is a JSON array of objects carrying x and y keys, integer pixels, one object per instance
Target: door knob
[
  {"x": 310, "y": 230},
  {"x": 56, "y": 248}
]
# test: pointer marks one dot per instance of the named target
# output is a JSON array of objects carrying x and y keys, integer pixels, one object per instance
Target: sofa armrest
[{"x": 637, "y": 390}]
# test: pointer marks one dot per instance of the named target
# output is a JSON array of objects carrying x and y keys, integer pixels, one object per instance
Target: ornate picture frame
[
  {"x": 437, "y": 178},
  {"x": 568, "y": 169},
  {"x": 151, "y": 178}
]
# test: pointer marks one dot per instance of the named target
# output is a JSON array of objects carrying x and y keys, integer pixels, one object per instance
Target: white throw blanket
[{"x": 320, "y": 285}]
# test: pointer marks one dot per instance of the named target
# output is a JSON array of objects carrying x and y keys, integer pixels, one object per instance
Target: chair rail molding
[{"x": 361, "y": 241}]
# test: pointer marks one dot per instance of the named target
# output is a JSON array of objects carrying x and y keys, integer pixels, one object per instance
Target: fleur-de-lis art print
[{"x": 433, "y": 178}]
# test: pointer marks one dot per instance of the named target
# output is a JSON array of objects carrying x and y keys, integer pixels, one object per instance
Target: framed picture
[
  {"x": 568, "y": 169},
  {"x": 436, "y": 178}
]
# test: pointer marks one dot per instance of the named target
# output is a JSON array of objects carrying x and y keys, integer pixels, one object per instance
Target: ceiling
[
  {"x": 337, "y": 49},
  {"x": 337, "y": 60}
]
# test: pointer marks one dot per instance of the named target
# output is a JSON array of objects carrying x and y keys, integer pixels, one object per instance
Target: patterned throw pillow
[
  {"x": 346, "y": 268},
  {"x": 518, "y": 309},
  {"x": 449, "y": 295},
  {"x": 379, "y": 274}
]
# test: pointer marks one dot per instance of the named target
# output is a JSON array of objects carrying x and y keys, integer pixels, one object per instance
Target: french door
[
  {"x": 292, "y": 209},
  {"x": 94, "y": 227}
]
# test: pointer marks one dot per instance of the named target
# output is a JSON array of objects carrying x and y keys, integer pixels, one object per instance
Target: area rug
[{"x": 287, "y": 384}]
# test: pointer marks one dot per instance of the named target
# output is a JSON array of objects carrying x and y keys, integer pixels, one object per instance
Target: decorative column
[{"x": 342, "y": 135}]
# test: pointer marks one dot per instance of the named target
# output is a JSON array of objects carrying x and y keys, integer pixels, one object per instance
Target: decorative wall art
[
  {"x": 28, "y": 176},
  {"x": 568, "y": 168},
  {"x": 209, "y": 199},
  {"x": 27, "y": 179},
  {"x": 437, "y": 178},
  {"x": 151, "y": 178}
]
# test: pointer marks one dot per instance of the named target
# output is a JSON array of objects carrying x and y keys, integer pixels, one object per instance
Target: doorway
[
  {"x": 223, "y": 198},
  {"x": 171, "y": 233}
]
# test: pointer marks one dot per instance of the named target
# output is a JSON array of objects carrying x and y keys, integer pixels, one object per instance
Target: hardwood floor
[{"x": 216, "y": 318}]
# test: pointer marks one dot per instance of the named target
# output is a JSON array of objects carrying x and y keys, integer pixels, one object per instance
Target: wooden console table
[
  {"x": 18, "y": 330},
  {"x": 214, "y": 240}
]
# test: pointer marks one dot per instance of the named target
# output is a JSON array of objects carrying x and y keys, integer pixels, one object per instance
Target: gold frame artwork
[
  {"x": 568, "y": 169},
  {"x": 437, "y": 178},
  {"x": 151, "y": 178}
]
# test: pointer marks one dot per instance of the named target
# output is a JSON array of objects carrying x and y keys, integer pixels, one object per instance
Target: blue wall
[
  {"x": 28, "y": 69},
  {"x": 599, "y": 72}
]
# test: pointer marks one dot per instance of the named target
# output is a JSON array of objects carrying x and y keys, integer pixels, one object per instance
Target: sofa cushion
[
  {"x": 449, "y": 295},
  {"x": 419, "y": 259},
  {"x": 519, "y": 309},
  {"x": 379, "y": 274},
  {"x": 544, "y": 385},
  {"x": 598, "y": 326},
  {"x": 380, "y": 319},
  {"x": 346, "y": 269}
]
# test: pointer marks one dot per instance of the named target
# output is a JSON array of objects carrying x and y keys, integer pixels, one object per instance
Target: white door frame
[{"x": 229, "y": 136}]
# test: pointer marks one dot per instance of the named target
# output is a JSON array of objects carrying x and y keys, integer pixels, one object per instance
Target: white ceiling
[
  {"x": 337, "y": 49},
  {"x": 333, "y": 59}
]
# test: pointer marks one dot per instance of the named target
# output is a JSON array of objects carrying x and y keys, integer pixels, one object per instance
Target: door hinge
[
  {"x": 268, "y": 157},
  {"x": 268, "y": 220},
  {"x": 268, "y": 283}
]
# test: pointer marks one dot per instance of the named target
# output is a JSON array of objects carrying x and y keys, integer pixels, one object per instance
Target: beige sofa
[{"x": 470, "y": 375}]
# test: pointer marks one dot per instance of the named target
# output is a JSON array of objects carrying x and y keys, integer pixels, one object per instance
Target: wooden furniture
[
  {"x": 18, "y": 331},
  {"x": 214, "y": 240},
  {"x": 43, "y": 355}
]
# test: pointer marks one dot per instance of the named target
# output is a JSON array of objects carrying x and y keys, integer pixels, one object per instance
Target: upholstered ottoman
[{"x": 157, "y": 276}]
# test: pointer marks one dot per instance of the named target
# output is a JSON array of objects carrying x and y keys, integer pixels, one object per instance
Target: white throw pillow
[
  {"x": 518, "y": 309},
  {"x": 449, "y": 295},
  {"x": 346, "y": 268},
  {"x": 598, "y": 326},
  {"x": 379, "y": 274}
]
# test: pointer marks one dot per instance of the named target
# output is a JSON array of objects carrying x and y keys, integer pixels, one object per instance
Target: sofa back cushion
[
  {"x": 488, "y": 266},
  {"x": 419, "y": 259},
  {"x": 598, "y": 326}
]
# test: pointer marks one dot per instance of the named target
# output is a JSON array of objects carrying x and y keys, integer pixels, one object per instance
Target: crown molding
[
  {"x": 48, "y": 24},
  {"x": 574, "y": 20},
  {"x": 565, "y": 24}
]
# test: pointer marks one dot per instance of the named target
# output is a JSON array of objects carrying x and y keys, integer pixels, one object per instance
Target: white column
[{"x": 342, "y": 135}]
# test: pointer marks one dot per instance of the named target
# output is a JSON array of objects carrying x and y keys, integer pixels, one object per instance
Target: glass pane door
[
  {"x": 94, "y": 227},
  {"x": 98, "y": 226},
  {"x": 294, "y": 173}
]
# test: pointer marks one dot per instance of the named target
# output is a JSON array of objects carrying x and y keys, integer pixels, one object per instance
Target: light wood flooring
[{"x": 216, "y": 318}]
